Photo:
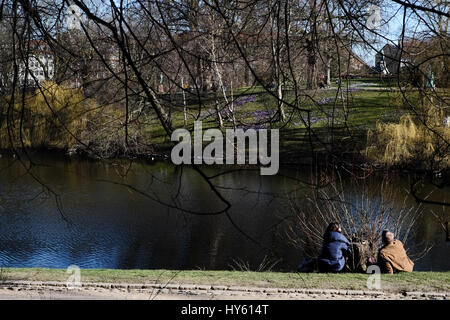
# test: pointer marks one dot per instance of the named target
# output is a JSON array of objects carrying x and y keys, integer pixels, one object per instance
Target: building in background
[
  {"x": 392, "y": 57},
  {"x": 386, "y": 61},
  {"x": 41, "y": 64}
]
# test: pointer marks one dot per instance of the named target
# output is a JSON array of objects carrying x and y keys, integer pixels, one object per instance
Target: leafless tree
[
  {"x": 130, "y": 56},
  {"x": 364, "y": 210}
]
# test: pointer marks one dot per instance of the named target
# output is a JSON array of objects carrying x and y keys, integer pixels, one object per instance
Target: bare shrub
[
  {"x": 421, "y": 138},
  {"x": 363, "y": 213},
  {"x": 266, "y": 265}
]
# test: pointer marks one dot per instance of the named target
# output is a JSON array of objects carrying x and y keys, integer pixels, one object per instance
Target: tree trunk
[
  {"x": 219, "y": 116},
  {"x": 184, "y": 103},
  {"x": 311, "y": 79},
  {"x": 219, "y": 79},
  {"x": 282, "y": 116},
  {"x": 447, "y": 229},
  {"x": 328, "y": 83},
  {"x": 277, "y": 66}
]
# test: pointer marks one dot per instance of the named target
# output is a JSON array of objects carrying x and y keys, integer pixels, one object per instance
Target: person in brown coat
[{"x": 392, "y": 256}]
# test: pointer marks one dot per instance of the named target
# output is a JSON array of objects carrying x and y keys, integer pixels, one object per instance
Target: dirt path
[{"x": 102, "y": 291}]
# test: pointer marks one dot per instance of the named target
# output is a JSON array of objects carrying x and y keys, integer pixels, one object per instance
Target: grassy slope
[
  {"x": 363, "y": 109},
  {"x": 416, "y": 281}
]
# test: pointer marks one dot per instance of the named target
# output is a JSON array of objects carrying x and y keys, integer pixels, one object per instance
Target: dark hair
[
  {"x": 334, "y": 226},
  {"x": 387, "y": 236}
]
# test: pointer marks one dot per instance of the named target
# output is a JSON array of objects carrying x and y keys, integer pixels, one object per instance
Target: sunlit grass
[
  {"x": 343, "y": 115},
  {"x": 416, "y": 281}
]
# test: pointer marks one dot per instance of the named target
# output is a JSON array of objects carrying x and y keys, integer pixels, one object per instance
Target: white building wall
[{"x": 40, "y": 67}]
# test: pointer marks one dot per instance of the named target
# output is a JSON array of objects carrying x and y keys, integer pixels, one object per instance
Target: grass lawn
[
  {"x": 338, "y": 119},
  {"x": 416, "y": 281},
  {"x": 341, "y": 119},
  {"x": 375, "y": 81}
]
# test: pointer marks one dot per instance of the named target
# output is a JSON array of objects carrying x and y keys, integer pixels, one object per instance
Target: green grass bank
[{"x": 416, "y": 281}]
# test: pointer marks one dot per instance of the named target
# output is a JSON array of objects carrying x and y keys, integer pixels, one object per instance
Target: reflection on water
[{"x": 101, "y": 223}]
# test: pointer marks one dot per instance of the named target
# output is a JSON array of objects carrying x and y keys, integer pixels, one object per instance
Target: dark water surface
[{"x": 97, "y": 222}]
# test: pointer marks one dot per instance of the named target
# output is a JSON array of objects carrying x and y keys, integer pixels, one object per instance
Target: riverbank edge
[
  {"x": 416, "y": 283},
  {"x": 191, "y": 291},
  {"x": 163, "y": 154},
  {"x": 353, "y": 161},
  {"x": 213, "y": 290}
]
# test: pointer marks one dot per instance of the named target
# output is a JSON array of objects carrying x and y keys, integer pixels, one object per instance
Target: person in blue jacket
[{"x": 334, "y": 250}]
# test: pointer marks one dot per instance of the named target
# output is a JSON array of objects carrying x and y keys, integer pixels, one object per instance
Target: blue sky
[{"x": 390, "y": 30}]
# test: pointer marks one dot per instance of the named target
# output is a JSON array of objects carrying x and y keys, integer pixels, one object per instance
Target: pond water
[{"x": 93, "y": 220}]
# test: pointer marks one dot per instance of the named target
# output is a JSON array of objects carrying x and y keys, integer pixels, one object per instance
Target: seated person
[
  {"x": 335, "y": 248},
  {"x": 392, "y": 256}
]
